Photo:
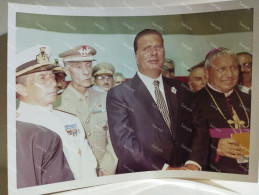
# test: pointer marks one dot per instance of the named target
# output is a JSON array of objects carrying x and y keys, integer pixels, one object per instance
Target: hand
[
  {"x": 191, "y": 167},
  {"x": 175, "y": 168},
  {"x": 229, "y": 147}
]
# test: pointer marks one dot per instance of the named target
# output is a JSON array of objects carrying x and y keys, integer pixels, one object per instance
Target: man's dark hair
[
  {"x": 244, "y": 53},
  {"x": 142, "y": 33}
]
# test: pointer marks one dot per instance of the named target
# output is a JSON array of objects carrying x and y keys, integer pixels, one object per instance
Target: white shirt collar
[
  {"x": 148, "y": 80},
  {"x": 149, "y": 84}
]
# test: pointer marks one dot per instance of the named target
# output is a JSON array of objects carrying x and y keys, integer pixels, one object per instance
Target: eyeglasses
[
  {"x": 103, "y": 77},
  {"x": 247, "y": 65}
]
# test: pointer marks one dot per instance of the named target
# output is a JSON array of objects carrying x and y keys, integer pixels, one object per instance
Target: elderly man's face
[
  {"x": 168, "y": 71},
  {"x": 197, "y": 79},
  {"x": 245, "y": 62},
  {"x": 223, "y": 73},
  {"x": 39, "y": 88},
  {"x": 104, "y": 81},
  {"x": 80, "y": 73},
  {"x": 150, "y": 54},
  {"x": 118, "y": 80}
]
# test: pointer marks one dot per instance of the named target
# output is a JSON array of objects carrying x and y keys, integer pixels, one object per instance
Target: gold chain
[{"x": 222, "y": 112}]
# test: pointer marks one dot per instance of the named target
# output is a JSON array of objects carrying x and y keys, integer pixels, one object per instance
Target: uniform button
[
  {"x": 87, "y": 121},
  {"x": 89, "y": 133}
]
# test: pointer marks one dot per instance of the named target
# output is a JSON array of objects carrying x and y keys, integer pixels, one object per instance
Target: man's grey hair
[
  {"x": 215, "y": 53},
  {"x": 21, "y": 79},
  {"x": 118, "y": 74}
]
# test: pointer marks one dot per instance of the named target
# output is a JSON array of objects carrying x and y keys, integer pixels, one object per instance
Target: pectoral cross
[{"x": 236, "y": 121}]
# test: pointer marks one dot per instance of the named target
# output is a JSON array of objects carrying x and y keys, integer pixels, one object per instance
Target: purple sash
[{"x": 225, "y": 132}]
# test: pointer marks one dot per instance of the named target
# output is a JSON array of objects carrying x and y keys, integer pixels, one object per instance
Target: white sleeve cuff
[{"x": 190, "y": 162}]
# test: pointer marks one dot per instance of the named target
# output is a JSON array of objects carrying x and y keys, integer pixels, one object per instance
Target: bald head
[{"x": 197, "y": 79}]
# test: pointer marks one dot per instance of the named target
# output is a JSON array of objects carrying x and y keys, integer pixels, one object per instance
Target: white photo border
[{"x": 152, "y": 10}]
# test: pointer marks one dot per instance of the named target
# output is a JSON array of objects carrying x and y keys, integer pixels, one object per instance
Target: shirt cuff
[
  {"x": 165, "y": 167},
  {"x": 190, "y": 162}
]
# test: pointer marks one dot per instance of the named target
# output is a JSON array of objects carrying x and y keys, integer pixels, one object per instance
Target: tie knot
[{"x": 156, "y": 83}]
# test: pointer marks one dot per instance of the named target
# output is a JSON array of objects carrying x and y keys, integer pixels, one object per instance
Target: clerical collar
[{"x": 226, "y": 94}]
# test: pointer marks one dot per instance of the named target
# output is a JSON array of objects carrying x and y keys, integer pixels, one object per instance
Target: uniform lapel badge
[
  {"x": 173, "y": 90},
  {"x": 72, "y": 130},
  {"x": 99, "y": 109},
  {"x": 84, "y": 51}
]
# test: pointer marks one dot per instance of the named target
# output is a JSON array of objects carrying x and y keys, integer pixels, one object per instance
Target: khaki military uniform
[{"x": 91, "y": 110}]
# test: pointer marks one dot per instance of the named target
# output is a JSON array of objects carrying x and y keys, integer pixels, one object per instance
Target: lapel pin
[{"x": 173, "y": 90}]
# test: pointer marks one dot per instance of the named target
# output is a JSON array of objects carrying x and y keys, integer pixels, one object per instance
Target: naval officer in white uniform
[{"x": 36, "y": 86}]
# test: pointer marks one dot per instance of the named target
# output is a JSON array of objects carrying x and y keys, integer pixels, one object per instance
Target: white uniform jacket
[{"x": 76, "y": 149}]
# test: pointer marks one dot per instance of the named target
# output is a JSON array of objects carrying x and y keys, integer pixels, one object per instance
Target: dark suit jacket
[
  {"x": 40, "y": 158},
  {"x": 139, "y": 135}
]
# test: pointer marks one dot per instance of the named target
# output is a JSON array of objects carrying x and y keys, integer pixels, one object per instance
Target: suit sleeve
[
  {"x": 55, "y": 167},
  {"x": 132, "y": 155},
  {"x": 40, "y": 157},
  {"x": 201, "y": 138}
]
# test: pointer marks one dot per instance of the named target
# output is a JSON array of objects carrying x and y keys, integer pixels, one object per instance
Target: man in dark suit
[{"x": 149, "y": 115}]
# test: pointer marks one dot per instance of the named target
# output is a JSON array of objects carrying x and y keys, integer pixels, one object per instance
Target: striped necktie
[{"x": 162, "y": 105}]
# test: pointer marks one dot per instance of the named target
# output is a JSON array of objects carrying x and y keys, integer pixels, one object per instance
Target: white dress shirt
[{"x": 151, "y": 88}]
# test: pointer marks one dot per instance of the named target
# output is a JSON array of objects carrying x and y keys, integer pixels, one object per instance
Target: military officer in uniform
[
  {"x": 60, "y": 76},
  {"x": 88, "y": 105},
  {"x": 103, "y": 76},
  {"x": 36, "y": 86}
]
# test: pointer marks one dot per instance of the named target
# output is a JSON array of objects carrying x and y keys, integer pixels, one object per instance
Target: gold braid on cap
[{"x": 42, "y": 60}]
